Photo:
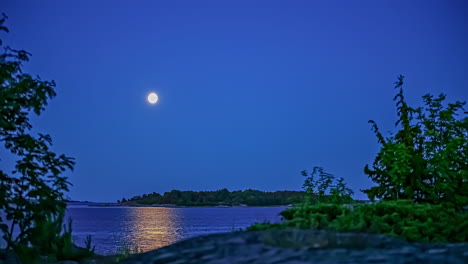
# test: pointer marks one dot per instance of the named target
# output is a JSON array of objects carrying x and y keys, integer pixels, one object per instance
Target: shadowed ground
[{"x": 302, "y": 246}]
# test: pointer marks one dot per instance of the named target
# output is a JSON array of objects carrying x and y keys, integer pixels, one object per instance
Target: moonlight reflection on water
[
  {"x": 155, "y": 227},
  {"x": 148, "y": 228}
]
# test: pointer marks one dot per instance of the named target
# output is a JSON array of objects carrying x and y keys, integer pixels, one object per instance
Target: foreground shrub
[
  {"x": 408, "y": 220},
  {"x": 319, "y": 216},
  {"x": 403, "y": 218},
  {"x": 425, "y": 160}
]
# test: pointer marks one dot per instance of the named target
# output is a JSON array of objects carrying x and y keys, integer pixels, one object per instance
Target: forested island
[{"x": 217, "y": 198}]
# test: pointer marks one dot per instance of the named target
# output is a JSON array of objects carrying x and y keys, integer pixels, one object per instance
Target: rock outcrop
[{"x": 302, "y": 246}]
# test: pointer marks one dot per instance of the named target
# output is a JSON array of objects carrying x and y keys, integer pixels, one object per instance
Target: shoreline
[{"x": 175, "y": 206}]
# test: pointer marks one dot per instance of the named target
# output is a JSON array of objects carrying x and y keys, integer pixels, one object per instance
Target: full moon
[{"x": 152, "y": 98}]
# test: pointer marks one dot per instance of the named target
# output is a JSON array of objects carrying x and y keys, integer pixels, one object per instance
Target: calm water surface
[{"x": 113, "y": 228}]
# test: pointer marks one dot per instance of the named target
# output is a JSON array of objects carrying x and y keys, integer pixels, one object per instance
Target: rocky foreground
[{"x": 302, "y": 246}]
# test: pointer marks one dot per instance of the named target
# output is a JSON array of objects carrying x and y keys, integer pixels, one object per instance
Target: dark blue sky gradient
[{"x": 251, "y": 92}]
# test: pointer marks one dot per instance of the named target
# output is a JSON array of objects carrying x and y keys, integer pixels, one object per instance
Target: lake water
[{"x": 148, "y": 228}]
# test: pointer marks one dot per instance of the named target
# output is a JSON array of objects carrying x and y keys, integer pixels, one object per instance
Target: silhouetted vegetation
[
  {"x": 402, "y": 218},
  {"x": 427, "y": 159},
  {"x": 325, "y": 188},
  {"x": 422, "y": 177},
  {"x": 219, "y": 197},
  {"x": 32, "y": 196}
]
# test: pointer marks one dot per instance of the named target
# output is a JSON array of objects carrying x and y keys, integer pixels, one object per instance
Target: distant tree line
[{"x": 220, "y": 197}]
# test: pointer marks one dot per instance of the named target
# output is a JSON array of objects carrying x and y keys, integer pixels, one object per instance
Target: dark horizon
[{"x": 250, "y": 93}]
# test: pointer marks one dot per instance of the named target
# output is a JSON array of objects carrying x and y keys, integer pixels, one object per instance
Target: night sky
[{"x": 250, "y": 92}]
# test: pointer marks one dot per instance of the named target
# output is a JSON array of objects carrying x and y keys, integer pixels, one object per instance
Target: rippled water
[{"x": 147, "y": 228}]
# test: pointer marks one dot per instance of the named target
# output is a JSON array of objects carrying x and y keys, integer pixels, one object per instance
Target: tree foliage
[
  {"x": 321, "y": 186},
  {"x": 427, "y": 159},
  {"x": 419, "y": 171},
  {"x": 32, "y": 195}
]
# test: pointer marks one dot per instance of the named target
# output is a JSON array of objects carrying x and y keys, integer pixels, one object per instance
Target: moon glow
[{"x": 152, "y": 98}]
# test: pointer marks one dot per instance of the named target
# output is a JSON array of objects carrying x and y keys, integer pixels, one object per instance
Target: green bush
[
  {"x": 323, "y": 187},
  {"x": 402, "y": 218},
  {"x": 318, "y": 216},
  {"x": 421, "y": 176},
  {"x": 425, "y": 160},
  {"x": 52, "y": 242},
  {"x": 408, "y": 220}
]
